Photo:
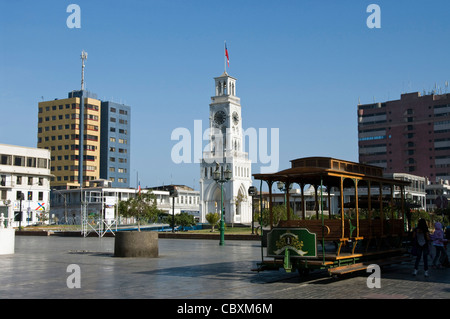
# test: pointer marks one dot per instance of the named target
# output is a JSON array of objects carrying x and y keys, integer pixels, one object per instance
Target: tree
[
  {"x": 279, "y": 213},
  {"x": 184, "y": 220},
  {"x": 142, "y": 207},
  {"x": 212, "y": 219}
]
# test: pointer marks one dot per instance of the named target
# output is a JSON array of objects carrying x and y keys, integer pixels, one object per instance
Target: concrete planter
[
  {"x": 136, "y": 244},
  {"x": 7, "y": 237}
]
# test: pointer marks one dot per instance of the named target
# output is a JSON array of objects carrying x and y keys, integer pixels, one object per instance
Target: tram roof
[{"x": 313, "y": 170}]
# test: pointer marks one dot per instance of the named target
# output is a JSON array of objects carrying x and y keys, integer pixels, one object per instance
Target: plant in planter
[
  {"x": 213, "y": 220},
  {"x": 142, "y": 207},
  {"x": 138, "y": 244}
]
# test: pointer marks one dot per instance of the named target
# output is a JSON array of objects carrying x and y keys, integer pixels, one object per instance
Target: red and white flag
[{"x": 226, "y": 54}]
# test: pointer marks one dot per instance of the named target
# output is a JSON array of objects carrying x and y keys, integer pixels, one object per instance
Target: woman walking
[
  {"x": 438, "y": 243},
  {"x": 421, "y": 238}
]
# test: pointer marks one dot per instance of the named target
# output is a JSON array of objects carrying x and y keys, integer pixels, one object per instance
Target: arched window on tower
[{"x": 224, "y": 88}]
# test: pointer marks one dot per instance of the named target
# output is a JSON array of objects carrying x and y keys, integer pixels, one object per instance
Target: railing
[{"x": 220, "y": 155}]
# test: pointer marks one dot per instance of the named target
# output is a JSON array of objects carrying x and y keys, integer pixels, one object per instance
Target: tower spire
[{"x": 83, "y": 58}]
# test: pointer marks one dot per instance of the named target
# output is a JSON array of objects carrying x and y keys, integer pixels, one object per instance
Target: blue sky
[{"x": 301, "y": 67}]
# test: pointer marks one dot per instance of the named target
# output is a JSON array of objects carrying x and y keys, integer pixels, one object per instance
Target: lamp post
[
  {"x": 282, "y": 187},
  {"x": 221, "y": 178},
  {"x": 21, "y": 198},
  {"x": 253, "y": 191},
  {"x": 173, "y": 193}
]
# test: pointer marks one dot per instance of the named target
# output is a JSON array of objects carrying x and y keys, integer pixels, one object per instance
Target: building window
[
  {"x": 5, "y": 159},
  {"x": 19, "y": 161}
]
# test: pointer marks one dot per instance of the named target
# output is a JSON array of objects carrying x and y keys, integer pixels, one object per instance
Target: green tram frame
[{"x": 300, "y": 244}]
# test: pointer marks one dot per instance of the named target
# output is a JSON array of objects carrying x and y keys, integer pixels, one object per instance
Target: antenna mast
[{"x": 83, "y": 58}]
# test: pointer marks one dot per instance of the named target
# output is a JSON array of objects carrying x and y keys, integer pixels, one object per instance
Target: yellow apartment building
[{"x": 59, "y": 131}]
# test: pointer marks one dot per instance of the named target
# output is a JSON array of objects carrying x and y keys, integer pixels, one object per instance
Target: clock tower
[{"x": 226, "y": 152}]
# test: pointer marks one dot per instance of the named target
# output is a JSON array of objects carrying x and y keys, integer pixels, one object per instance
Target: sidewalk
[{"x": 186, "y": 269}]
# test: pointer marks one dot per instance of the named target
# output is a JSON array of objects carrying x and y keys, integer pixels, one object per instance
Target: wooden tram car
[{"x": 368, "y": 230}]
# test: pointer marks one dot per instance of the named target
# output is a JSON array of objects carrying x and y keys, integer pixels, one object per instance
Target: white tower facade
[{"x": 226, "y": 150}]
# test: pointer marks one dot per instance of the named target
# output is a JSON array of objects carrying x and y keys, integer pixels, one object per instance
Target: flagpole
[{"x": 225, "y": 56}]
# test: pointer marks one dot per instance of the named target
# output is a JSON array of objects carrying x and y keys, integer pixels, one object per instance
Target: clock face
[
  {"x": 220, "y": 117},
  {"x": 235, "y": 118}
]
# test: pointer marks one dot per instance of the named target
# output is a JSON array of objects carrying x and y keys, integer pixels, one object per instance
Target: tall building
[
  {"x": 115, "y": 143},
  {"x": 24, "y": 183},
  {"x": 226, "y": 152},
  {"x": 410, "y": 135},
  {"x": 63, "y": 126}
]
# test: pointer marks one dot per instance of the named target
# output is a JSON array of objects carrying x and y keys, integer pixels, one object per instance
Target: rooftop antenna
[{"x": 83, "y": 58}]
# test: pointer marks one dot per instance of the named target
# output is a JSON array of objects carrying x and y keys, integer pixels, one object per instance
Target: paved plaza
[{"x": 187, "y": 269}]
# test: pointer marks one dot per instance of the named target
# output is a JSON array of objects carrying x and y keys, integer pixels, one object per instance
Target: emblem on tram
[
  {"x": 299, "y": 241},
  {"x": 290, "y": 241}
]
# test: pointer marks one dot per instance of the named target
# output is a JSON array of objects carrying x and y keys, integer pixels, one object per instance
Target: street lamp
[
  {"x": 282, "y": 187},
  {"x": 173, "y": 193},
  {"x": 253, "y": 191},
  {"x": 21, "y": 198},
  {"x": 221, "y": 178}
]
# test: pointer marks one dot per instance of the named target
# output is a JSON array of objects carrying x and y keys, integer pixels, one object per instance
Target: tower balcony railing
[{"x": 211, "y": 156}]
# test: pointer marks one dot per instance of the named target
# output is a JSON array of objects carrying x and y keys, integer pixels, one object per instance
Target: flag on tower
[
  {"x": 226, "y": 54},
  {"x": 139, "y": 188}
]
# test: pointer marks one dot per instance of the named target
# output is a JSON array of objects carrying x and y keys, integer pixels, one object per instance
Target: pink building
[{"x": 410, "y": 135}]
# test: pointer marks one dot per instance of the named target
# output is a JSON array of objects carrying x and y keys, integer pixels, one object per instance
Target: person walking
[
  {"x": 421, "y": 238},
  {"x": 438, "y": 243}
]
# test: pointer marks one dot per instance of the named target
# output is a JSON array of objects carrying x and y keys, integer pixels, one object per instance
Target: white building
[
  {"x": 24, "y": 183},
  {"x": 226, "y": 152},
  {"x": 186, "y": 201},
  {"x": 101, "y": 200},
  {"x": 438, "y": 195}
]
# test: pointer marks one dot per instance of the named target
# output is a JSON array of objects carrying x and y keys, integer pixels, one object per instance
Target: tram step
[{"x": 364, "y": 265}]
